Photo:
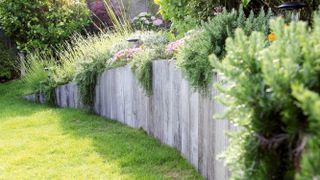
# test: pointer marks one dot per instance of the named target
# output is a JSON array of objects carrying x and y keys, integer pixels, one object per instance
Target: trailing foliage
[
  {"x": 142, "y": 66},
  {"x": 193, "y": 58},
  {"x": 86, "y": 77},
  {"x": 153, "y": 45},
  {"x": 41, "y": 24},
  {"x": 273, "y": 95},
  {"x": 91, "y": 60}
]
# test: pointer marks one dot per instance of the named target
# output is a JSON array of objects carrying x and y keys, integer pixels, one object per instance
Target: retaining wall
[{"x": 174, "y": 114}]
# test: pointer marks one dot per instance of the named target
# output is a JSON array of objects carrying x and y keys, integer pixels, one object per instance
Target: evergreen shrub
[
  {"x": 193, "y": 58},
  {"x": 272, "y": 94}
]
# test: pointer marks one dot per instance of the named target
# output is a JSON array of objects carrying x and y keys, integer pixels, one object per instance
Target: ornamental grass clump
[
  {"x": 273, "y": 96},
  {"x": 82, "y": 59},
  {"x": 93, "y": 56},
  {"x": 39, "y": 70}
]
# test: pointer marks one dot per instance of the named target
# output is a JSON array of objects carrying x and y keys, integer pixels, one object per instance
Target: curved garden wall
[{"x": 174, "y": 114}]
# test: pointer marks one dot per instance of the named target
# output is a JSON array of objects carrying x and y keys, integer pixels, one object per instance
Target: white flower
[
  {"x": 147, "y": 22},
  {"x": 142, "y": 14}
]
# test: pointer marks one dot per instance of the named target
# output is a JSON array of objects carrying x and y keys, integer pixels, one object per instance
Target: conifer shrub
[
  {"x": 193, "y": 58},
  {"x": 272, "y": 94}
]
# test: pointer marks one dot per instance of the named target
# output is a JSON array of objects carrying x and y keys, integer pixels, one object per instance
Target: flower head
[
  {"x": 125, "y": 54},
  {"x": 158, "y": 22},
  {"x": 174, "y": 46},
  {"x": 143, "y": 14},
  {"x": 272, "y": 37}
]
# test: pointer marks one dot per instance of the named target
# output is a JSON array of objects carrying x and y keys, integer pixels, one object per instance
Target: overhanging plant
[
  {"x": 193, "y": 57},
  {"x": 273, "y": 95}
]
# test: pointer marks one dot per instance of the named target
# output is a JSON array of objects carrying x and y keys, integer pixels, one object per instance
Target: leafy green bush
[
  {"x": 7, "y": 62},
  {"x": 41, "y": 24},
  {"x": 186, "y": 14},
  {"x": 194, "y": 56},
  {"x": 273, "y": 95}
]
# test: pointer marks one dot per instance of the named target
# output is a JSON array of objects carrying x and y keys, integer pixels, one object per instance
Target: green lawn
[{"x": 42, "y": 142}]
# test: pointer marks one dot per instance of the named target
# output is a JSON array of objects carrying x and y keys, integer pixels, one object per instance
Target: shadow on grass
[{"x": 133, "y": 151}]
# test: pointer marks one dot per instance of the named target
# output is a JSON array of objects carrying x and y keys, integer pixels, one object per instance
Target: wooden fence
[{"x": 174, "y": 114}]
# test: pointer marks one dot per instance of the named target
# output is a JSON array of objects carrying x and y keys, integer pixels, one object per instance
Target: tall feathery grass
[
  {"x": 36, "y": 66},
  {"x": 81, "y": 59}
]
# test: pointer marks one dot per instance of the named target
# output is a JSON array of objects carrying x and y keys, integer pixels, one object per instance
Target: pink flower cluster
[
  {"x": 174, "y": 46},
  {"x": 126, "y": 54},
  {"x": 157, "y": 22}
]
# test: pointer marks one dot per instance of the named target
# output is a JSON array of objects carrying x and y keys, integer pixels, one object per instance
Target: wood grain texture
[{"x": 174, "y": 114}]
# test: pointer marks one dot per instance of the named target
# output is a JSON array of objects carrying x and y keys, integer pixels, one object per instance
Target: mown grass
[{"x": 42, "y": 142}]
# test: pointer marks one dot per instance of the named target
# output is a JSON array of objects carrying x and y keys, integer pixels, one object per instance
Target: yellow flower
[
  {"x": 157, "y": 2},
  {"x": 272, "y": 37},
  {"x": 142, "y": 46},
  {"x": 161, "y": 11}
]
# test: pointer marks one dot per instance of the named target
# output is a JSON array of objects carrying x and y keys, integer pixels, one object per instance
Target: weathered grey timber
[
  {"x": 68, "y": 96},
  {"x": 174, "y": 114},
  {"x": 38, "y": 97}
]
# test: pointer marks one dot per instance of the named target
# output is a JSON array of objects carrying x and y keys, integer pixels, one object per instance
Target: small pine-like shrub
[
  {"x": 273, "y": 95},
  {"x": 193, "y": 58}
]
